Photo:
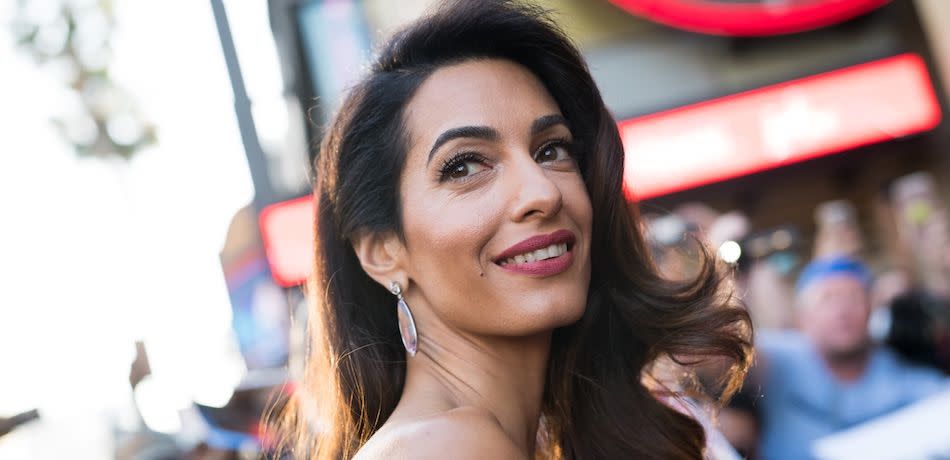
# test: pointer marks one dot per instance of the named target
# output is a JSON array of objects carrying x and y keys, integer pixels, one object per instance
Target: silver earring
[{"x": 407, "y": 325}]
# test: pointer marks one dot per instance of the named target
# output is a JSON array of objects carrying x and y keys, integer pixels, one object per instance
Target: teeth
[
  {"x": 540, "y": 254},
  {"x": 550, "y": 252}
]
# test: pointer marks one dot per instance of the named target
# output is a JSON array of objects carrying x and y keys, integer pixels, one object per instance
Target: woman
[{"x": 481, "y": 289}]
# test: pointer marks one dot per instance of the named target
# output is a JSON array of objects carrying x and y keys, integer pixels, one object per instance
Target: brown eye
[
  {"x": 459, "y": 170},
  {"x": 463, "y": 166},
  {"x": 554, "y": 151},
  {"x": 463, "y": 169}
]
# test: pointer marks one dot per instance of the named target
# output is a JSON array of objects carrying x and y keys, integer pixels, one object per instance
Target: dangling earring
[{"x": 407, "y": 325}]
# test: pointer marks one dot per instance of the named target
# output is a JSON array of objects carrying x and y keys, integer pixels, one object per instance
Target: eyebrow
[
  {"x": 477, "y": 132},
  {"x": 491, "y": 134},
  {"x": 546, "y": 122}
]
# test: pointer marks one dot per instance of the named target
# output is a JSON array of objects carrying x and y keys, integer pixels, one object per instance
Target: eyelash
[
  {"x": 451, "y": 163},
  {"x": 463, "y": 157}
]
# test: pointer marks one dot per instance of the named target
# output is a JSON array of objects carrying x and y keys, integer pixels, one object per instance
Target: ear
[{"x": 382, "y": 256}]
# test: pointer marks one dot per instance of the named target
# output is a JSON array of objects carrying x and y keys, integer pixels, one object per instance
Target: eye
[
  {"x": 554, "y": 151},
  {"x": 462, "y": 166}
]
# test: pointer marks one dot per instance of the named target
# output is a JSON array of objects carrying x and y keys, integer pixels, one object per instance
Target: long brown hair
[{"x": 595, "y": 403}]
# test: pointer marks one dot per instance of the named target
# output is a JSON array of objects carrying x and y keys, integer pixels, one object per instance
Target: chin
[
  {"x": 564, "y": 318},
  {"x": 550, "y": 314},
  {"x": 849, "y": 350}
]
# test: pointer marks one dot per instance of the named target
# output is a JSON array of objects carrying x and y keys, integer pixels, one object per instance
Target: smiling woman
[{"x": 481, "y": 287}]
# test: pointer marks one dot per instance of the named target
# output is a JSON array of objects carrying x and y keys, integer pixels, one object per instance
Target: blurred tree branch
[{"x": 73, "y": 40}]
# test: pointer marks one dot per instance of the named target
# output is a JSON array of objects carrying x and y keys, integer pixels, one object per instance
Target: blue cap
[{"x": 820, "y": 269}]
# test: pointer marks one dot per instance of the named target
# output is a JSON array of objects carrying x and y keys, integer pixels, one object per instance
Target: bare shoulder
[{"x": 462, "y": 433}]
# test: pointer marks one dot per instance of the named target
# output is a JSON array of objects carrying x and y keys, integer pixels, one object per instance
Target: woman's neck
[{"x": 504, "y": 376}]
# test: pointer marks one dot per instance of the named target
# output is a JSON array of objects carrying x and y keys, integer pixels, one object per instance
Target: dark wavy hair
[{"x": 597, "y": 403}]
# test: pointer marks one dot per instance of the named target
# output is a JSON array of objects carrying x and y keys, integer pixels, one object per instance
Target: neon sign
[
  {"x": 752, "y": 18},
  {"x": 777, "y": 125}
]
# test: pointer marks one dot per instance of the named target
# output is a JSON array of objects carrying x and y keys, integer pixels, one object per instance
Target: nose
[{"x": 534, "y": 194}]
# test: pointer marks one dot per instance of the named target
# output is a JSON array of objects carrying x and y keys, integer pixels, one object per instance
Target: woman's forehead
[{"x": 485, "y": 92}]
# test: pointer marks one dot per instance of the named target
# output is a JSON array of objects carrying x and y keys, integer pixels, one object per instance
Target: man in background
[{"x": 828, "y": 375}]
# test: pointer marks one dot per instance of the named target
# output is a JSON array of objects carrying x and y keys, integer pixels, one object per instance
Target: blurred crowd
[{"x": 847, "y": 331}]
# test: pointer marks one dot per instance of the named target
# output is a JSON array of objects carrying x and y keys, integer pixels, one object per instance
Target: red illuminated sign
[
  {"x": 712, "y": 141},
  {"x": 777, "y": 125},
  {"x": 749, "y": 18},
  {"x": 287, "y": 231}
]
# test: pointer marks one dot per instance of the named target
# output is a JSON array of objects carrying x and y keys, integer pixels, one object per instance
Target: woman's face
[{"x": 496, "y": 216}]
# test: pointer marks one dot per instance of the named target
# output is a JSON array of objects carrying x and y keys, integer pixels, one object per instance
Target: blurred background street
[{"x": 155, "y": 179}]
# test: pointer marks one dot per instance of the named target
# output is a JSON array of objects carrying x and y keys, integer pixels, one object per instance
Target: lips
[{"x": 541, "y": 255}]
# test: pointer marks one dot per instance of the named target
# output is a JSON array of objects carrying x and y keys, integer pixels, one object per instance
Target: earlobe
[{"x": 381, "y": 256}]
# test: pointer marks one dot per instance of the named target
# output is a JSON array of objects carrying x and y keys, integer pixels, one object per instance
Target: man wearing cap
[{"x": 828, "y": 375}]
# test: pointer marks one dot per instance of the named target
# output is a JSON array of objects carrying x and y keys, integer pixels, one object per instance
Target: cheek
[
  {"x": 577, "y": 203},
  {"x": 445, "y": 244},
  {"x": 859, "y": 318},
  {"x": 817, "y": 320},
  {"x": 446, "y": 236}
]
